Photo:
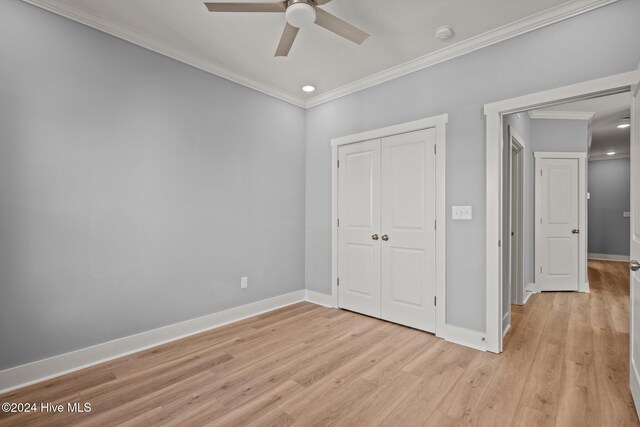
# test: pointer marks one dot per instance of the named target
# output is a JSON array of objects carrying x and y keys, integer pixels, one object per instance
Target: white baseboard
[
  {"x": 584, "y": 288},
  {"x": 506, "y": 330},
  {"x": 608, "y": 257},
  {"x": 30, "y": 373},
  {"x": 531, "y": 288},
  {"x": 320, "y": 299},
  {"x": 527, "y": 295},
  {"x": 463, "y": 336}
]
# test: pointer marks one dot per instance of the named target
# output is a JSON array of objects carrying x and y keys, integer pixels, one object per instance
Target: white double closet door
[{"x": 386, "y": 230}]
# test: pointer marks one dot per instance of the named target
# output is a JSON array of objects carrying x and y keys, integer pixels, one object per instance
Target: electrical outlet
[
  {"x": 244, "y": 282},
  {"x": 461, "y": 212}
]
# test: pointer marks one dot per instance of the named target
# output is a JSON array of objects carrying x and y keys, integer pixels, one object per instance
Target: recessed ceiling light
[
  {"x": 308, "y": 88},
  {"x": 625, "y": 123},
  {"x": 610, "y": 153},
  {"x": 444, "y": 32}
]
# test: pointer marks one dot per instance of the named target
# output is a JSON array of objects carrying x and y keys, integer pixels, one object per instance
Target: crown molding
[
  {"x": 561, "y": 115},
  {"x": 108, "y": 26},
  {"x": 522, "y": 26},
  {"x": 514, "y": 29}
]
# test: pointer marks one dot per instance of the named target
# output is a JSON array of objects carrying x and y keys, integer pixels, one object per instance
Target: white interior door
[
  {"x": 557, "y": 224},
  {"x": 634, "y": 330},
  {"x": 408, "y": 229},
  {"x": 359, "y": 226}
]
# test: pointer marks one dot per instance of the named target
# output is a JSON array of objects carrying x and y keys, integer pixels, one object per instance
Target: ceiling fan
[{"x": 299, "y": 14}]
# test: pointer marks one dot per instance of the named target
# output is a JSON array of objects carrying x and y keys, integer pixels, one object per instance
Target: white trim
[
  {"x": 608, "y": 257},
  {"x": 561, "y": 115},
  {"x": 30, "y": 373},
  {"x": 465, "y": 337},
  {"x": 550, "y": 16},
  {"x": 559, "y": 155},
  {"x": 527, "y": 295},
  {"x": 522, "y": 145},
  {"x": 415, "y": 125},
  {"x": 439, "y": 123},
  {"x": 319, "y": 299},
  {"x": 493, "y": 170},
  {"x": 538, "y": 20},
  {"x": 146, "y": 41},
  {"x": 532, "y": 288},
  {"x": 583, "y": 283},
  {"x": 633, "y": 382},
  {"x": 506, "y": 330}
]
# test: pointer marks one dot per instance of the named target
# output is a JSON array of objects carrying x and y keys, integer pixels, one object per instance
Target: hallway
[{"x": 589, "y": 333}]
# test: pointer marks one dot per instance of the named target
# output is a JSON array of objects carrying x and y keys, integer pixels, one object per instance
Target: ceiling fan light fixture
[
  {"x": 301, "y": 14},
  {"x": 308, "y": 88}
]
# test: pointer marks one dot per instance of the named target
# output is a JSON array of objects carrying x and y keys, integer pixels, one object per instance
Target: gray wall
[
  {"x": 135, "y": 190},
  {"x": 561, "y": 54},
  {"x": 609, "y": 185},
  {"x": 560, "y": 135}
]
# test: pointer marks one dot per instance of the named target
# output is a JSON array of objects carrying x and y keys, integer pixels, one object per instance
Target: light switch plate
[
  {"x": 461, "y": 212},
  {"x": 626, "y": 214},
  {"x": 244, "y": 282}
]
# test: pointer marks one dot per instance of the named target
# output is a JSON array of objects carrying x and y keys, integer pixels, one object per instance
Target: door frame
[
  {"x": 494, "y": 141},
  {"x": 517, "y": 146},
  {"x": 583, "y": 283},
  {"x": 439, "y": 123},
  {"x": 634, "y": 375}
]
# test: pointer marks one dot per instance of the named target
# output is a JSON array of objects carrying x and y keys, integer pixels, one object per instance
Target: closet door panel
[
  {"x": 408, "y": 224},
  {"x": 359, "y": 216}
]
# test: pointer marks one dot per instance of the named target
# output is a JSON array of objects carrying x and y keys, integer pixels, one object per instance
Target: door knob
[
  {"x": 634, "y": 265},
  {"x": 374, "y": 237},
  {"x": 575, "y": 231},
  {"x": 385, "y": 237}
]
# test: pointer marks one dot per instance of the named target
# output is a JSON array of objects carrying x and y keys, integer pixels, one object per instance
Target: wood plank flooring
[{"x": 565, "y": 363}]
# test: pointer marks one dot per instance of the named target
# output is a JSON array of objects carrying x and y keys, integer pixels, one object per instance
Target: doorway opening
[
  {"x": 495, "y": 116},
  {"x": 573, "y": 149}
]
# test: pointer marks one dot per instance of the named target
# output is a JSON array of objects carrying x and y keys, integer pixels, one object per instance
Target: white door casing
[
  {"x": 634, "y": 310},
  {"x": 557, "y": 223},
  {"x": 494, "y": 113},
  {"x": 453, "y": 333},
  {"x": 408, "y": 221},
  {"x": 359, "y": 216}
]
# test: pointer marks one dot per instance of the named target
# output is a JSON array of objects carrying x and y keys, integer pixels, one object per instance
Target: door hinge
[
  {"x": 499, "y": 244},
  {"x": 338, "y": 282},
  {"x": 338, "y": 162},
  {"x": 435, "y": 224},
  {"x": 540, "y": 270},
  {"x": 435, "y": 300},
  {"x": 435, "y": 149},
  {"x": 338, "y": 222}
]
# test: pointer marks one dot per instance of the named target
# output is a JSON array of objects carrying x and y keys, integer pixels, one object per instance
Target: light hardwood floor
[{"x": 565, "y": 364}]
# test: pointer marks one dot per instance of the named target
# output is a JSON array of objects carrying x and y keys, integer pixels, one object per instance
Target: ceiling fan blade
[
  {"x": 246, "y": 7},
  {"x": 321, "y": 2},
  {"x": 286, "y": 41},
  {"x": 338, "y": 26}
]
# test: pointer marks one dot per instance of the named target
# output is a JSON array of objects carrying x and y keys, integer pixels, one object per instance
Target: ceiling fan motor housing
[{"x": 301, "y": 13}]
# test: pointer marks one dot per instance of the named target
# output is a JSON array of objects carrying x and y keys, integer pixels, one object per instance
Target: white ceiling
[
  {"x": 608, "y": 113},
  {"x": 241, "y": 46}
]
